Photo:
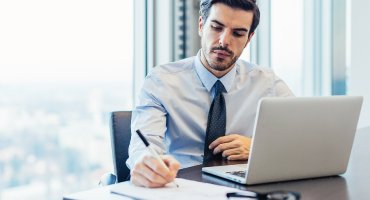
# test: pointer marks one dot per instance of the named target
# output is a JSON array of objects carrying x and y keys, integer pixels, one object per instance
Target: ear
[
  {"x": 249, "y": 39},
  {"x": 200, "y": 26}
]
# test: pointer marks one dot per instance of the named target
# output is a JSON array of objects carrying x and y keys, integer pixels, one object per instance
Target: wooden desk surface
[{"x": 354, "y": 184}]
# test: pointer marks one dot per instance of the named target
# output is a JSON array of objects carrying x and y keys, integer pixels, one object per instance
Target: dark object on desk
[
  {"x": 120, "y": 126},
  {"x": 274, "y": 195}
]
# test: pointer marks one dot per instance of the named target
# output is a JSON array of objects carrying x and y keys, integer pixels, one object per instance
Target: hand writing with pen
[{"x": 153, "y": 170}]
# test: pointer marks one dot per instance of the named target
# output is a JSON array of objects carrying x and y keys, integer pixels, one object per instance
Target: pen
[{"x": 154, "y": 153}]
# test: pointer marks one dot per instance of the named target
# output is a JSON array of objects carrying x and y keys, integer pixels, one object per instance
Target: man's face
[{"x": 224, "y": 36}]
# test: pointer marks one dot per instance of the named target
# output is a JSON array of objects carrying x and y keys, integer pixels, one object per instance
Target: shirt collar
[{"x": 208, "y": 79}]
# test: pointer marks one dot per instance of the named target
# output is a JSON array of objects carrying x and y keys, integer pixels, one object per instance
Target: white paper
[{"x": 187, "y": 190}]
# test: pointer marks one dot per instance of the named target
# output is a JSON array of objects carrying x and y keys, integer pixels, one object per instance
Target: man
[{"x": 202, "y": 108}]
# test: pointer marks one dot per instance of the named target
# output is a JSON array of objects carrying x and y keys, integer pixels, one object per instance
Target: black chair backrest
[{"x": 120, "y": 125}]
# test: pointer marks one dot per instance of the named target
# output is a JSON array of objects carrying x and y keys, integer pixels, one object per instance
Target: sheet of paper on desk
[{"x": 187, "y": 190}]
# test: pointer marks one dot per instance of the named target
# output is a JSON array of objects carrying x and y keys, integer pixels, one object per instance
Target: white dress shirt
[{"x": 175, "y": 99}]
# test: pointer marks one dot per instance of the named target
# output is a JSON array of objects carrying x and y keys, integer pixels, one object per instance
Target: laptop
[{"x": 297, "y": 138}]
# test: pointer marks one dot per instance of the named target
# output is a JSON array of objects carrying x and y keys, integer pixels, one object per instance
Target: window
[
  {"x": 304, "y": 43},
  {"x": 64, "y": 66},
  {"x": 287, "y": 42}
]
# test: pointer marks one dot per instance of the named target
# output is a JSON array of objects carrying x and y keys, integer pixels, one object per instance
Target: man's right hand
[{"x": 148, "y": 171}]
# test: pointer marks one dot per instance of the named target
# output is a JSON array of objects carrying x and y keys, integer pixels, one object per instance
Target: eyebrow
[{"x": 235, "y": 29}]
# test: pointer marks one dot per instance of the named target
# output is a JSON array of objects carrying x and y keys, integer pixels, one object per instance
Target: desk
[{"x": 354, "y": 184}]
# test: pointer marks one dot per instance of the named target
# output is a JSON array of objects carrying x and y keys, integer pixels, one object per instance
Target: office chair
[{"x": 120, "y": 126}]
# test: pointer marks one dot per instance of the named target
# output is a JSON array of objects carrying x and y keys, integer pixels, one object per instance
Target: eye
[
  {"x": 238, "y": 34},
  {"x": 216, "y": 28}
]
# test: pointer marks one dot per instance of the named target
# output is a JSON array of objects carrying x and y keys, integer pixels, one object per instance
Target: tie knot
[{"x": 219, "y": 87}]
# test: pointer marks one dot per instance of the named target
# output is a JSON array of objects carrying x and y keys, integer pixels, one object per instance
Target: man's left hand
[{"x": 233, "y": 146}]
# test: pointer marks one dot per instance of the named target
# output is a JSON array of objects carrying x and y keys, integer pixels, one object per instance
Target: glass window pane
[
  {"x": 64, "y": 66},
  {"x": 287, "y": 42}
]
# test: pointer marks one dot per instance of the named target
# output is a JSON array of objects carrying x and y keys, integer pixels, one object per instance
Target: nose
[{"x": 225, "y": 39}]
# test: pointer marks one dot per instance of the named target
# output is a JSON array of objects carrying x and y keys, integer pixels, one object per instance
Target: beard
[{"x": 220, "y": 64}]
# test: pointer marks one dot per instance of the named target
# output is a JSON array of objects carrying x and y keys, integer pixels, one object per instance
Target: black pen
[{"x": 154, "y": 153}]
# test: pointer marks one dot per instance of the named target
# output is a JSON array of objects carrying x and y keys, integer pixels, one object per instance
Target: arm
[{"x": 150, "y": 117}]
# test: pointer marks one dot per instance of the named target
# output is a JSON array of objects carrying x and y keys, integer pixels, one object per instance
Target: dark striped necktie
[{"x": 216, "y": 125}]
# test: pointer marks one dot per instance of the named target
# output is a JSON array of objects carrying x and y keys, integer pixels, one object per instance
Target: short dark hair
[{"x": 247, "y": 5}]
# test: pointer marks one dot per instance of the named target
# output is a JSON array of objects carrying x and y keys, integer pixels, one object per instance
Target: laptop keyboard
[{"x": 238, "y": 173}]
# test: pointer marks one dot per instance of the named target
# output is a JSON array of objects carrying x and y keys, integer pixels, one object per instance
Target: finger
[
  {"x": 158, "y": 168},
  {"x": 225, "y": 146},
  {"x": 238, "y": 157},
  {"x": 140, "y": 180},
  {"x": 152, "y": 176},
  {"x": 229, "y": 152},
  {"x": 223, "y": 139},
  {"x": 172, "y": 164},
  {"x": 138, "y": 176}
]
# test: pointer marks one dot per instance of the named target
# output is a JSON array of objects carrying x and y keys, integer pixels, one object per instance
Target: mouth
[{"x": 221, "y": 54}]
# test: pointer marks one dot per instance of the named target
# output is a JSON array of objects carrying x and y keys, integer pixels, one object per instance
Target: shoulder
[
  {"x": 254, "y": 71},
  {"x": 170, "y": 74},
  {"x": 173, "y": 67}
]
